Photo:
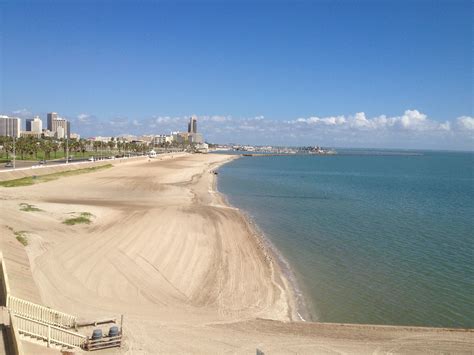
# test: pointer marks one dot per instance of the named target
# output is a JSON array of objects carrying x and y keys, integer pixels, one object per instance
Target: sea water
[{"x": 371, "y": 238}]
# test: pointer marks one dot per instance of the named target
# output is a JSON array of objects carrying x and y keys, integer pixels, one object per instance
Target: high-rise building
[
  {"x": 34, "y": 125},
  {"x": 28, "y": 124},
  {"x": 10, "y": 126},
  {"x": 52, "y": 116},
  {"x": 192, "y": 125},
  {"x": 61, "y": 128}
]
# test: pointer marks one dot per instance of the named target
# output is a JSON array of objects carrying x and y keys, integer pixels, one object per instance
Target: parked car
[
  {"x": 91, "y": 159},
  {"x": 9, "y": 165},
  {"x": 42, "y": 162}
]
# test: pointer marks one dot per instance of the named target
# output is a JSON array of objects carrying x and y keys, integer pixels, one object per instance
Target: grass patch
[
  {"x": 25, "y": 207},
  {"x": 31, "y": 180},
  {"x": 21, "y": 237},
  {"x": 83, "y": 218}
]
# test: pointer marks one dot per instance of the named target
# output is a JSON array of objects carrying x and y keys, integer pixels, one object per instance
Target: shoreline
[
  {"x": 297, "y": 305},
  {"x": 298, "y": 299}
]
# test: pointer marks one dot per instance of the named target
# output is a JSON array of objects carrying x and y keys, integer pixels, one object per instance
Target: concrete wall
[{"x": 5, "y": 286}]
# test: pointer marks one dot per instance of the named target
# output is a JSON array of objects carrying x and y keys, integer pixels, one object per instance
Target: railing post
[{"x": 49, "y": 335}]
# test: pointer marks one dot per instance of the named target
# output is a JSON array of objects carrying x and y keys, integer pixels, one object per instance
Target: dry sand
[{"x": 186, "y": 270}]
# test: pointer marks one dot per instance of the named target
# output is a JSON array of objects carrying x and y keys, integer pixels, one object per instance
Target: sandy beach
[{"x": 187, "y": 271}]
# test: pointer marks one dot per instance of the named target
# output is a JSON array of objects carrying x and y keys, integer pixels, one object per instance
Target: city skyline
[
  {"x": 396, "y": 75},
  {"x": 410, "y": 124}
]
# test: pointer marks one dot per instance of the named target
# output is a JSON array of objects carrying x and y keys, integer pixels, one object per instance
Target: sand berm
[{"x": 184, "y": 268}]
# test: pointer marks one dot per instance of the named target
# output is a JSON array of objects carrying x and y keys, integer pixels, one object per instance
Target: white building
[
  {"x": 162, "y": 139},
  {"x": 36, "y": 125},
  {"x": 102, "y": 139},
  {"x": 10, "y": 126},
  {"x": 60, "y": 132},
  {"x": 202, "y": 148}
]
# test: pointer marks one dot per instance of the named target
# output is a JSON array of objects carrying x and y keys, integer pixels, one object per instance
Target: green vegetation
[
  {"x": 30, "y": 180},
  {"x": 47, "y": 148},
  {"x": 21, "y": 237},
  {"x": 42, "y": 156},
  {"x": 83, "y": 218},
  {"x": 25, "y": 207}
]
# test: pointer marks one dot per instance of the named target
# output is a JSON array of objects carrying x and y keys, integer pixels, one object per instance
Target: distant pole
[
  {"x": 14, "y": 152},
  {"x": 67, "y": 149}
]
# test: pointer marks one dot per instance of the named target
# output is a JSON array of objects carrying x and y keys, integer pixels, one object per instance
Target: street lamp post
[
  {"x": 14, "y": 152},
  {"x": 67, "y": 149}
]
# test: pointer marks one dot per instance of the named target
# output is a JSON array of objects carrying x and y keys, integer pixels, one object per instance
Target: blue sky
[{"x": 275, "y": 72}]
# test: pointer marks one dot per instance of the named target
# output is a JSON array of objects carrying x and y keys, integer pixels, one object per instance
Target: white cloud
[
  {"x": 446, "y": 126},
  {"x": 411, "y": 120},
  {"x": 84, "y": 118},
  {"x": 329, "y": 121},
  {"x": 360, "y": 121},
  {"x": 220, "y": 118},
  {"x": 23, "y": 113},
  {"x": 466, "y": 123},
  {"x": 118, "y": 123},
  {"x": 412, "y": 128}
]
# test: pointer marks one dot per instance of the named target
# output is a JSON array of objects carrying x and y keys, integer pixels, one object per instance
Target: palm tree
[
  {"x": 7, "y": 143},
  {"x": 55, "y": 147},
  {"x": 46, "y": 147},
  {"x": 111, "y": 144},
  {"x": 71, "y": 146},
  {"x": 82, "y": 146}
]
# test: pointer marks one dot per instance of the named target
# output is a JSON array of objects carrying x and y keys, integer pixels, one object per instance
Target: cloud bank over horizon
[{"x": 411, "y": 130}]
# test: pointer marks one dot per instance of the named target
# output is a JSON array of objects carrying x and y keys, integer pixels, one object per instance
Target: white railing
[
  {"x": 49, "y": 333},
  {"x": 30, "y": 310}
]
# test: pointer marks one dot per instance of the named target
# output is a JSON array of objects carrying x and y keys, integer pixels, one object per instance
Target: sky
[{"x": 383, "y": 74}]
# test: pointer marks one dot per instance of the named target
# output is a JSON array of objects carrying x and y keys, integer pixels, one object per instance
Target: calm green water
[{"x": 370, "y": 239}]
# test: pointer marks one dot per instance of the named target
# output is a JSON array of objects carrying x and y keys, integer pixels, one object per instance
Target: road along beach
[{"x": 186, "y": 269}]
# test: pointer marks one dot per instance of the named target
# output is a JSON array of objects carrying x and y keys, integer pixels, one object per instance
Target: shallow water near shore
[{"x": 379, "y": 239}]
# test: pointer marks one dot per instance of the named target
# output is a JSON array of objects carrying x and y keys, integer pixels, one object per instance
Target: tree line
[{"x": 30, "y": 147}]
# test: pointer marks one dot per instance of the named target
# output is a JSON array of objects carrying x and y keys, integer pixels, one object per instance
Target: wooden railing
[
  {"x": 34, "y": 311},
  {"x": 51, "y": 334}
]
